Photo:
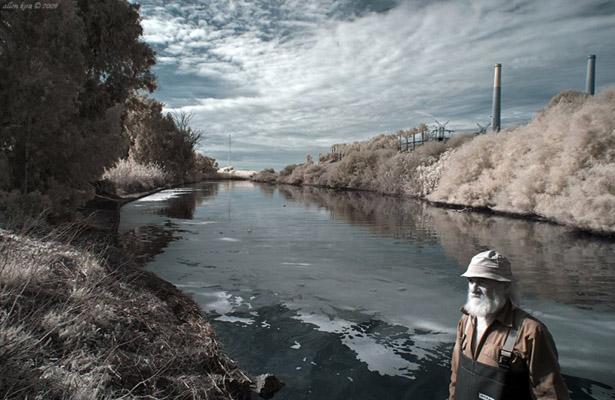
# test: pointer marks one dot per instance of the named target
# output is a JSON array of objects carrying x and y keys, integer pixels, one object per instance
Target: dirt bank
[{"x": 79, "y": 320}]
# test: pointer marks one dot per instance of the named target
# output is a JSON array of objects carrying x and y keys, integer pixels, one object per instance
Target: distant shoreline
[
  {"x": 559, "y": 167},
  {"x": 460, "y": 208}
]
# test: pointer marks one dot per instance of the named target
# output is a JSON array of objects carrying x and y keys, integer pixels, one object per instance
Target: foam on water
[{"x": 163, "y": 195}]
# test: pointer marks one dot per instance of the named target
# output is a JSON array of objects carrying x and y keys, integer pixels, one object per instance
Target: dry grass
[
  {"x": 373, "y": 165},
  {"x": 131, "y": 177},
  {"x": 72, "y": 327},
  {"x": 268, "y": 175},
  {"x": 561, "y": 165}
]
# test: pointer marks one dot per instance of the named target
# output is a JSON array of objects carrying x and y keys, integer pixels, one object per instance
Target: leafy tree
[
  {"x": 65, "y": 75},
  {"x": 41, "y": 74},
  {"x": 186, "y": 142},
  {"x": 163, "y": 139},
  {"x": 204, "y": 166},
  {"x": 118, "y": 63}
]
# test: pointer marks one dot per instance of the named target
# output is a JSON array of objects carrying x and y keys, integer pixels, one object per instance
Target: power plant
[{"x": 439, "y": 131}]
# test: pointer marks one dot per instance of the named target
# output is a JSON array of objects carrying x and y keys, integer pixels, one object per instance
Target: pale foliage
[
  {"x": 560, "y": 166},
  {"x": 374, "y": 165},
  {"x": 130, "y": 176},
  {"x": 426, "y": 176},
  {"x": 379, "y": 142},
  {"x": 267, "y": 175}
]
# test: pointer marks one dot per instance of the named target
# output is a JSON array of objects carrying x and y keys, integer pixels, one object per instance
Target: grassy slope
[
  {"x": 78, "y": 323},
  {"x": 559, "y": 167}
]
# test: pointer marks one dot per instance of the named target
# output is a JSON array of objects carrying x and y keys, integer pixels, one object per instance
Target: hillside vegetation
[
  {"x": 374, "y": 165},
  {"x": 560, "y": 166}
]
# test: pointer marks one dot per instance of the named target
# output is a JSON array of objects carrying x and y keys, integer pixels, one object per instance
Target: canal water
[{"x": 353, "y": 295}]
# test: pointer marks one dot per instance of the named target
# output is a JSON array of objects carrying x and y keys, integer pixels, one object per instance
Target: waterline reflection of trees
[
  {"x": 146, "y": 241},
  {"x": 549, "y": 260},
  {"x": 385, "y": 215},
  {"x": 184, "y": 205}
]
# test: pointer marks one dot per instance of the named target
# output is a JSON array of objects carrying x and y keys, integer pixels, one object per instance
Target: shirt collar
[{"x": 505, "y": 315}]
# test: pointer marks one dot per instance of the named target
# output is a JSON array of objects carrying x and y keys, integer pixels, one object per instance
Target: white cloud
[{"x": 316, "y": 74}]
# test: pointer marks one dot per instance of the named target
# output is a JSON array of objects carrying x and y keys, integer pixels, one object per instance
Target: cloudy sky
[{"x": 292, "y": 77}]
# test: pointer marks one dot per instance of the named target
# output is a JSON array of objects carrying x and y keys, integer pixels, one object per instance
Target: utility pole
[
  {"x": 497, "y": 94},
  {"x": 229, "y": 150}
]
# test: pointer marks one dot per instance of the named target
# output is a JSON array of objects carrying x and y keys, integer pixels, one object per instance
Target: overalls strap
[
  {"x": 506, "y": 352},
  {"x": 481, "y": 381}
]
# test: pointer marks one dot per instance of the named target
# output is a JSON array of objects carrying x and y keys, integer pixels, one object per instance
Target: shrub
[
  {"x": 204, "y": 167},
  {"x": 376, "y": 165},
  {"x": 267, "y": 175},
  {"x": 18, "y": 209},
  {"x": 130, "y": 176},
  {"x": 5, "y": 178},
  {"x": 288, "y": 170},
  {"x": 162, "y": 138},
  {"x": 559, "y": 166}
]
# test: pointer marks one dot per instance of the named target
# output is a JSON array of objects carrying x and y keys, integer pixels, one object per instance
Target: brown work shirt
[{"x": 534, "y": 347}]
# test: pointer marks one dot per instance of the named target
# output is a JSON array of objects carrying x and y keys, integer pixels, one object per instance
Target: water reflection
[
  {"x": 184, "y": 204},
  {"x": 356, "y": 295},
  {"x": 549, "y": 260},
  {"x": 579, "y": 269},
  {"x": 319, "y": 365},
  {"x": 384, "y": 215},
  {"x": 144, "y": 241}
]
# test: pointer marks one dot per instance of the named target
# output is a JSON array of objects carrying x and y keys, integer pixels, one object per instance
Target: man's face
[
  {"x": 481, "y": 288},
  {"x": 485, "y": 296}
]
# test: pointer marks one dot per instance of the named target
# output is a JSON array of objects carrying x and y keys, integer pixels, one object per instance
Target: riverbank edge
[
  {"x": 461, "y": 208},
  {"x": 96, "y": 236},
  {"x": 104, "y": 203},
  {"x": 241, "y": 385}
]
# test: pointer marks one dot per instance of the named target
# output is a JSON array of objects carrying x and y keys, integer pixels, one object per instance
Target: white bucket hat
[{"x": 490, "y": 265}]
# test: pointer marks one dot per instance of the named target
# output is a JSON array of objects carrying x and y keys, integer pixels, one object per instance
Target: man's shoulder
[{"x": 530, "y": 324}]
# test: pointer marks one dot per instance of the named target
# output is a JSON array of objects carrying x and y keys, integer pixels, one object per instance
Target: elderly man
[{"x": 501, "y": 352}]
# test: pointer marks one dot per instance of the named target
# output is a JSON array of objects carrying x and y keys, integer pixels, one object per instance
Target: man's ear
[{"x": 504, "y": 286}]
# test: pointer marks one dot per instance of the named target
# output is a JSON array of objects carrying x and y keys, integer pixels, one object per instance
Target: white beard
[{"x": 485, "y": 306}]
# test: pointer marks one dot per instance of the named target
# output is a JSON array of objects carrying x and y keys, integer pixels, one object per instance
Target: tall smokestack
[
  {"x": 497, "y": 94},
  {"x": 591, "y": 71}
]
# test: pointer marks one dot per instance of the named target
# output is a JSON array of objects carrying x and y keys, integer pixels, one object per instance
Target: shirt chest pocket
[{"x": 490, "y": 353}]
